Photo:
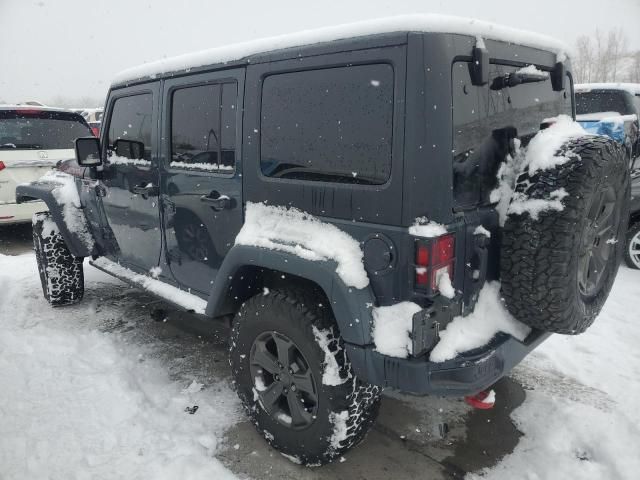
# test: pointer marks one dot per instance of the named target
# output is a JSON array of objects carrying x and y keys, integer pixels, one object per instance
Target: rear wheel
[
  {"x": 632, "y": 247},
  {"x": 294, "y": 379},
  {"x": 61, "y": 273}
]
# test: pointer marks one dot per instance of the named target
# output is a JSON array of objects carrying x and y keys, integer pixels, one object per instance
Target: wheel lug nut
[
  {"x": 277, "y": 377},
  {"x": 293, "y": 388},
  {"x": 286, "y": 391}
]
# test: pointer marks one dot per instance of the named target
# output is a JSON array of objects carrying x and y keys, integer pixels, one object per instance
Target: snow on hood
[
  {"x": 294, "y": 231},
  {"x": 403, "y": 23}
]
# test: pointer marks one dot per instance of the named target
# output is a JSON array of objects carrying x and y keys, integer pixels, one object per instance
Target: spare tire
[{"x": 557, "y": 266}]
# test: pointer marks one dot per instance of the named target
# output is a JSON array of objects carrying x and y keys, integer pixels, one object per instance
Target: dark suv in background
[
  {"x": 331, "y": 196},
  {"x": 597, "y": 105}
]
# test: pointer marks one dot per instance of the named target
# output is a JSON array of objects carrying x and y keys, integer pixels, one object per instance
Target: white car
[{"x": 32, "y": 140}]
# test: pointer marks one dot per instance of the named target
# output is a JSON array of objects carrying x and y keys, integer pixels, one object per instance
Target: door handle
[
  {"x": 217, "y": 201},
  {"x": 146, "y": 190}
]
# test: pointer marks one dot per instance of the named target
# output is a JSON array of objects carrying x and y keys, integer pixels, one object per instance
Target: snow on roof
[
  {"x": 404, "y": 23},
  {"x": 632, "y": 88}
]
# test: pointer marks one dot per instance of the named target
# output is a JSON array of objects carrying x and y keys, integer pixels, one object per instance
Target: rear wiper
[
  {"x": 513, "y": 79},
  {"x": 8, "y": 145}
]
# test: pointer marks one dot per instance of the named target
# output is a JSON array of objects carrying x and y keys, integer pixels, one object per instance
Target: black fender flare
[
  {"x": 43, "y": 190},
  {"x": 351, "y": 306}
]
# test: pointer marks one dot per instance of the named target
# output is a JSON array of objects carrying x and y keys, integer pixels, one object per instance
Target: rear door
[
  {"x": 201, "y": 176},
  {"x": 129, "y": 186}
]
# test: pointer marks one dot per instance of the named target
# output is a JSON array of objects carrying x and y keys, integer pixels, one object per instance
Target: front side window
[
  {"x": 130, "y": 129},
  {"x": 203, "y": 127},
  {"x": 331, "y": 125}
]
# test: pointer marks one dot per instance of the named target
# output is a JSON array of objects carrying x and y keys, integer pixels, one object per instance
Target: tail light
[
  {"x": 2, "y": 165},
  {"x": 432, "y": 256},
  {"x": 95, "y": 131}
]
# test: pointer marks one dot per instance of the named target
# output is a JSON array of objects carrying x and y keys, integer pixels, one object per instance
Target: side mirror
[
  {"x": 128, "y": 148},
  {"x": 88, "y": 151}
]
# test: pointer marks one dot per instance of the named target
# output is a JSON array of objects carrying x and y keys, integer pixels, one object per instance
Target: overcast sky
[{"x": 72, "y": 48}]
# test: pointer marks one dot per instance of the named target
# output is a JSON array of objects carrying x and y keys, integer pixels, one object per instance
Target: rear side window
[
  {"x": 331, "y": 125},
  {"x": 131, "y": 122},
  {"x": 486, "y": 122},
  {"x": 41, "y": 130},
  {"x": 203, "y": 127}
]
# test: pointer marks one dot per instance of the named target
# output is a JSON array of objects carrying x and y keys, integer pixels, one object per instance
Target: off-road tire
[
  {"x": 298, "y": 314},
  {"x": 540, "y": 258},
  {"x": 61, "y": 273},
  {"x": 632, "y": 241}
]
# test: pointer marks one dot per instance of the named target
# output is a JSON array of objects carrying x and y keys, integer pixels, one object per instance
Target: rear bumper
[
  {"x": 20, "y": 212},
  {"x": 466, "y": 374}
]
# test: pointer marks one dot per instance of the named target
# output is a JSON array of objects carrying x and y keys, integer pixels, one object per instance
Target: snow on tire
[
  {"x": 558, "y": 265},
  {"x": 61, "y": 273},
  {"x": 295, "y": 380}
]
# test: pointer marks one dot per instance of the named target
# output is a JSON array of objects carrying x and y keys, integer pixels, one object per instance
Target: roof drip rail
[
  {"x": 479, "y": 63},
  {"x": 558, "y": 77}
]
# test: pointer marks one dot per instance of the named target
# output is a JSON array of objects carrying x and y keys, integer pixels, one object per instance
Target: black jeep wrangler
[{"x": 320, "y": 187}]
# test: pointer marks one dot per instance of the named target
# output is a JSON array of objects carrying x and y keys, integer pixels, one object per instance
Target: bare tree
[{"x": 600, "y": 57}]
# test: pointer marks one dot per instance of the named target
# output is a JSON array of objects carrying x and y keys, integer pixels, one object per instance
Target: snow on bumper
[{"x": 468, "y": 373}]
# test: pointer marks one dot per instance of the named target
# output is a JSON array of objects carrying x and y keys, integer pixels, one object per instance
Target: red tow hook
[{"x": 483, "y": 400}]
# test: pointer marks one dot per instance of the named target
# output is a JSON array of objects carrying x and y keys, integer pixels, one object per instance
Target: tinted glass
[
  {"x": 131, "y": 120},
  {"x": 40, "y": 130},
  {"x": 331, "y": 125},
  {"x": 602, "y": 101},
  {"x": 486, "y": 121},
  {"x": 203, "y": 127}
]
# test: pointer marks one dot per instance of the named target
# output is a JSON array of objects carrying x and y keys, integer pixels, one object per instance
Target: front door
[
  {"x": 130, "y": 176},
  {"x": 201, "y": 180}
]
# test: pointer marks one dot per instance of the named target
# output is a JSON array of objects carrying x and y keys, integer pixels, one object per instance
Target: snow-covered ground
[
  {"x": 85, "y": 392},
  {"x": 581, "y": 418},
  {"x": 81, "y": 397}
]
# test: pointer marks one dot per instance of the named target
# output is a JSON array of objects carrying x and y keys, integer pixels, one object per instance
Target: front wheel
[
  {"x": 632, "y": 247},
  {"x": 294, "y": 379},
  {"x": 61, "y": 273}
]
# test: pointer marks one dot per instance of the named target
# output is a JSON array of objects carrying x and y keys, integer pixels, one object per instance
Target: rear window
[
  {"x": 331, "y": 125},
  {"x": 41, "y": 130},
  {"x": 486, "y": 121},
  {"x": 602, "y": 101}
]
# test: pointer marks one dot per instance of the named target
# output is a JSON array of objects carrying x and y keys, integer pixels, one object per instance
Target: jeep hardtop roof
[{"x": 242, "y": 53}]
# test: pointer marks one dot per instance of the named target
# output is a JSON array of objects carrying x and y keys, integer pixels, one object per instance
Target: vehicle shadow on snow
[{"x": 424, "y": 437}]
